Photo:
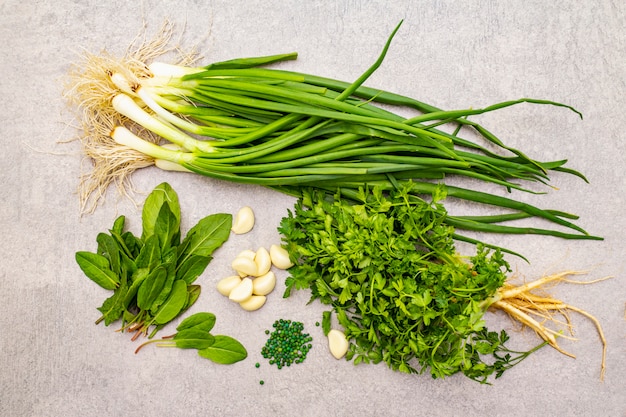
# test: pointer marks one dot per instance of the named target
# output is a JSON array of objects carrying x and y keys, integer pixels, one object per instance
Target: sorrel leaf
[
  {"x": 174, "y": 303},
  {"x": 162, "y": 193},
  {"x": 193, "y": 339},
  {"x": 96, "y": 267},
  {"x": 200, "y": 321},
  {"x": 225, "y": 350}
]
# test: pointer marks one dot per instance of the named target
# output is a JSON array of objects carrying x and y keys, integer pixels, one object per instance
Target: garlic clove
[
  {"x": 247, "y": 253},
  {"x": 243, "y": 221},
  {"x": 263, "y": 261},
  {"x": 337, "y": 343},
  {"x": 264, "y": 284},
  {"x": 226, "y": 285},
  {"x": 253, "y": 303},
  {"x": 242, "y": 291},
  {"x": 245, "y": 266},
  {"x": 280, "y": 257}
]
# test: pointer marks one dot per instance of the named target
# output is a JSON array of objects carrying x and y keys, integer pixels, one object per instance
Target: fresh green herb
[
  {"x": 326, "y": 322},
  {"x": 152, "y": 276},
  {"x": 224, "y": 350},
  {"x": 98, "y": 269},
  {"x": 287, "y": 344},
  {"x": 193, "y": 333},
  {"x": 389, "y": 269}
]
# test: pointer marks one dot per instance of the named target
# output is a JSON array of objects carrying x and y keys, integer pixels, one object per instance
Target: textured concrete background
[{"x": 55, "y": 362}]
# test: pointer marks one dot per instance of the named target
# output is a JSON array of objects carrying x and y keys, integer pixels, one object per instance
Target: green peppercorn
[{"x": 287, "y": 344}]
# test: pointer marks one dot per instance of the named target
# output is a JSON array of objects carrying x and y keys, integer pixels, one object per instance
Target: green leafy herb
[
  {"x": 389, "y": 269},
  {"x": 203, "y": 239},
  {"x": 174, "y": 304},
  {"x": 193, "y": 266},
  {"x": 98, "y": 269},
  {"x": 162, "y": 195},
  {"x": 225, "y": 350},
  {"x": 193, "y": 339},
  {"x": 151, "y": 287},
  {"x": 193, "y": 333},
  {"x": 198, "y": 321},
  {"x": 152, "y": 276},
  {"x": 114, "y": 306},
  {"x": 326, "y": 322}
]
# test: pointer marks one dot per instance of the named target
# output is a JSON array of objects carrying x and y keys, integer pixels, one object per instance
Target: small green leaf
[
  {"x": 162, "y": 193},
  {"x": 167, "y": 227},
  {"x": 225, "y": 350},
  {"x": 168, "y": 264},
  {"x": 137, "y": 279},
  {"x": 192, "y": 267},
  {"x": 200, "y": 321},
  {"x": 107, "y": 247},
  {"x": 193, "y": 339},
  {"x": 326, "y": 322},
  {"x": 193, "y": 292},
  {"x": 132, "y": 244},
  {"x": 174, "y": 303},
  {"x": 118, "y": 225},
  {"x": 113, "y": 307},
  {"x": 96, "y": 267},
  {"x": 151, "y": 287},
  {"x": 122, "y": 243},
  {"x": 150, "y": 254},
  {"x": 206, "y": 236}
]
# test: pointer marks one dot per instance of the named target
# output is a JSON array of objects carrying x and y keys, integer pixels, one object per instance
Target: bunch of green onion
[{"x": 237, "y": 121}]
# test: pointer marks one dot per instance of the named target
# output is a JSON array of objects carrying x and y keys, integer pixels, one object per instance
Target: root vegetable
[{"x": 521, "y": 304}]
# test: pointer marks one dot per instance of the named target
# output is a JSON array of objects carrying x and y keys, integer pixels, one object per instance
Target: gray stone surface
[{"x": 55, "y": 362}]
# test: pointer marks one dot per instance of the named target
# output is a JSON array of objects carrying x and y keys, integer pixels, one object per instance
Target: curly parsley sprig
[{"x": 390, "y": 271}]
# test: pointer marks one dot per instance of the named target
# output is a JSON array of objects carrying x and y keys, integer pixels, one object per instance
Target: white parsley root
[{"x": 537, "y": 311}]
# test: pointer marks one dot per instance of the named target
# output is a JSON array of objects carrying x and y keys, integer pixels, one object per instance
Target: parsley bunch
[{"x": 389, "y": 268}]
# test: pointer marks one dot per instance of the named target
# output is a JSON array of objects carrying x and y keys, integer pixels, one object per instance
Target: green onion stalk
[{"x": 241, "y": 121}]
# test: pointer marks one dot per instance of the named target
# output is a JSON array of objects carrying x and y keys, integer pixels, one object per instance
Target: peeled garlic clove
[
  {"x": 245, "y": 266},
  {"x": 226, "y": 285},
  {"x": 280, "y": 257},
  {"x": 248, "y": 253},
  {"x": 243, "y": 221},
  {"x": 242, "y": 291},
  {"x": 263, "y": 261},
  {"x": 253, "y": 303},
  {"x": 264, "y": 284},
  {"x": 337, "y": 343}
]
